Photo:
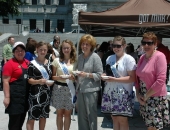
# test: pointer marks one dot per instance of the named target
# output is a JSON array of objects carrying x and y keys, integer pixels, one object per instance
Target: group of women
[
  {"x": 26, "y": 86},
  {"x": 149, "y": 76}
]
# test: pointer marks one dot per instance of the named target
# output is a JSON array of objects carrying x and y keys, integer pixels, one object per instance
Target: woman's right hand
[
  {"x": 82, "y": 74},
  {"x": 140, "y": 99},
  {"x": 6, "y": 101}
]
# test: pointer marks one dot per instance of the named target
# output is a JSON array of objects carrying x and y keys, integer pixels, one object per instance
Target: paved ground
[{"x": 104, "y": 121}]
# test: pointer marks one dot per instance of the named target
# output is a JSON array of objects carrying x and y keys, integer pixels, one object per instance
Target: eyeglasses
[
  {"x": 148, "y": 43},
  {"x": 115, "y": 46}
]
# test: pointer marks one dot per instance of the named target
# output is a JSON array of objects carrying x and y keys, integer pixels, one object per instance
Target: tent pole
[{"x": 78, "y": 32}]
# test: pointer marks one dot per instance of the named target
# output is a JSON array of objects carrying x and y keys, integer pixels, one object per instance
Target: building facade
[{"x": 51, "y": 15}]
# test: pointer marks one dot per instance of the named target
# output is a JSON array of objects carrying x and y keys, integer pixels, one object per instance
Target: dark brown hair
[
  {"x": 9, "y": 38},
  {"x": 50, "y": 48},
  {"x": 31, "y": 46},
  {"x": 41, "y": 43}
]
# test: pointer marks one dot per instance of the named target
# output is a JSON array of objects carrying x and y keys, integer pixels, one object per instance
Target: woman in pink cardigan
[{"x": 150, "y": 84}]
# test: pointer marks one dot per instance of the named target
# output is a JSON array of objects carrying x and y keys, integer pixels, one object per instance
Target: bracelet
[{"x": 87, "y": 75}]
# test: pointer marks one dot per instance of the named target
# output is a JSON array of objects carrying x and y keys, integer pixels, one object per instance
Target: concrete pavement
[{"x": 104, "y": 120}]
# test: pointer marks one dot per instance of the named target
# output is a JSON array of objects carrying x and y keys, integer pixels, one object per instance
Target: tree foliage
[{"x": 10, "y": 7}]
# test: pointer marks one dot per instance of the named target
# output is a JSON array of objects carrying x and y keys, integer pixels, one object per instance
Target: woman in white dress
[{"x": 118, "y": 93}]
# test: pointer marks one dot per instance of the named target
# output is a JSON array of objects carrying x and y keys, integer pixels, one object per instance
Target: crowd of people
[{"x": 39, "y": 74}]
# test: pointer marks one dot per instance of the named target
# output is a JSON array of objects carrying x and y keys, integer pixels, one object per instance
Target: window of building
[
  {"x": 34, "y": 2},
  {"x": 5, "y": 21},
  {"x": 18, "y": 21},
  {"x": 32, "y": 24},
  {"x": 60, "y": 25},
  {"x": 61, "y": 2},
  {"x": 48, "y": 2}
]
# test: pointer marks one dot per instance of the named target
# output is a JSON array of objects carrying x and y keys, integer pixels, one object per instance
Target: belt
[{"x": 62, "y": 84}]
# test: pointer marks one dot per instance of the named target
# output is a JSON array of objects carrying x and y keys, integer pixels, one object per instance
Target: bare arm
[
  {"x": 127, "y": 79},
  {"x": 54, "y": 77},
  {"x": 5, "y": 60},
  {"x": 4, "y": 51},
  {"x": 6, "y": 90},
  {"x": 39, "y": 81}
]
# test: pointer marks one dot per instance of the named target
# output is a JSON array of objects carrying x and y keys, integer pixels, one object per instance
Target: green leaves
[{"x": 10, "y": 7}]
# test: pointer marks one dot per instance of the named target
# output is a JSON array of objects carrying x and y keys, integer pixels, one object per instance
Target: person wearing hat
[
  {"x": 15, "y": 88},
  {"x": 55, "y": 43}
]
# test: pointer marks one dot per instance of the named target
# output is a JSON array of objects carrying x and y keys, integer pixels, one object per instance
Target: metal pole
[
  {"x": 22, "y": 15},
  {"x": 44, "y": 15},
  {"x": 44, "y": 22},
  {"x": 73, "y": 112},
  {"x": 21, "y": 18},
  {"x": 78, "y": 30}
]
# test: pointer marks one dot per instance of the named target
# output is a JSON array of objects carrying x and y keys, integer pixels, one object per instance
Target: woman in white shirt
[{"x": 118, "y": 92}]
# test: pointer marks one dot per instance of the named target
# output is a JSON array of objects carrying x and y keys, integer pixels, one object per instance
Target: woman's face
[
  {"x": 19, "y": 53},
  {"x": 148, "y": 45},
  {"x": 42, "y": 51},
  {"x": 118, "y": 47},
  {"x": 86, "y": 47},
  {"x": 66, "y": 48}
]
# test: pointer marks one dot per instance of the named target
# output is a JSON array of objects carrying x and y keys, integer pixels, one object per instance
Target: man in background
[
  {"x": 164, "y": 49},
  {"x": 6, "y": 54},
  {"x": 55, "y": 43}
]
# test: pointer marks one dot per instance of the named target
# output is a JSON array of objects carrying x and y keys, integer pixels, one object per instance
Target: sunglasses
[
  {"x": 148, "y": 43},
  {"x": 116, "y": 46}
]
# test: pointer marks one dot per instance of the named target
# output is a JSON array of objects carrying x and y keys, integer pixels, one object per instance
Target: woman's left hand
[{"x": 42, "y": 81}]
